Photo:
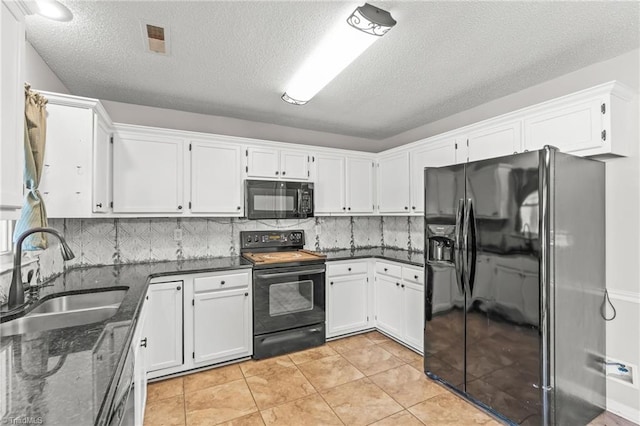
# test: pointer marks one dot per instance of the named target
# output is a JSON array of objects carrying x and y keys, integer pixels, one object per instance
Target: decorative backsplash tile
[{"x": 124, "y": 240}]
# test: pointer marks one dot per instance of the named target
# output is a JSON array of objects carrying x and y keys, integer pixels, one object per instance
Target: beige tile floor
[{"x": 359, "y": 380}]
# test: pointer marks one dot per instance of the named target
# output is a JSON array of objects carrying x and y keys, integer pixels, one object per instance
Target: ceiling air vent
[{"x": 156, "y": 38}]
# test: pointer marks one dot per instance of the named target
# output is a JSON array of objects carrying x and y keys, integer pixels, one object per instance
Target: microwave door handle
[{"x": 299, "y": 201}]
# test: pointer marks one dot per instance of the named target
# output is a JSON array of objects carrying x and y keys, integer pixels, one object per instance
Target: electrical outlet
[{"x": 177, "y": 234}]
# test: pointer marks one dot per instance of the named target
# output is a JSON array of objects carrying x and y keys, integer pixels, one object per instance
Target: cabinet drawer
[
  {"x": 346, "y": 268},
  {"x": 389, "y": 269},
  {"x": 413, "y": 275},
  {"x": 221, "y": 282}
]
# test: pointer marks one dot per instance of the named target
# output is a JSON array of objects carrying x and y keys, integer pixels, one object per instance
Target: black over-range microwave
[{"x": 274, "y": 199}]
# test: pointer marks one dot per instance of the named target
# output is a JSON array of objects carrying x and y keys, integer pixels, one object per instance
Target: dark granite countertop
[
  {"x": 63, "y": 376},
  {"x": 395, "y": 255}
]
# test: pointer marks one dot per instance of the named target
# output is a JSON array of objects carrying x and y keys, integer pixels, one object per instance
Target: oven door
[
  {"x": 288, "y": 298},
  {"x": 273, "y": 200}
]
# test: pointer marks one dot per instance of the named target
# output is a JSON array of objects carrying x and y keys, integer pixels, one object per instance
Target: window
[{"x": 6, "y": 238}]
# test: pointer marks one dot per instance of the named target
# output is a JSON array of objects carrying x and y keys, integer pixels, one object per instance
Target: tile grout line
[{"x": 318, "y": 391}]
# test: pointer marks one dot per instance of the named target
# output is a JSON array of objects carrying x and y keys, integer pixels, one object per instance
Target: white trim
[
  {"x": 622, "y": 410},
  {"x": 627, "y": 296}
]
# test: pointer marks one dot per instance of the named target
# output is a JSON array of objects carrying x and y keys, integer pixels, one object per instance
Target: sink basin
[
  {"x": 75, "y": 302},
  {"x": 66, "y": 311}
]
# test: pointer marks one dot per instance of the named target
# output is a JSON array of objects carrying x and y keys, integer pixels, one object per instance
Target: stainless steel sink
[
  {"x": 66, "y": 311},
  {"x": 75, "y": 302}
]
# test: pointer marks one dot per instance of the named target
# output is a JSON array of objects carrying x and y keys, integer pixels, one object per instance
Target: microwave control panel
[{"x": 268, "y": 239}]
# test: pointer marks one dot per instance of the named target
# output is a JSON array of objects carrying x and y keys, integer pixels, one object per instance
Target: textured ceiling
[{"x": 234, "y": 58}]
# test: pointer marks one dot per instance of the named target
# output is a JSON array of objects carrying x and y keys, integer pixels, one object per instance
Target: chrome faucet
[{"x": 16, "y": 291}]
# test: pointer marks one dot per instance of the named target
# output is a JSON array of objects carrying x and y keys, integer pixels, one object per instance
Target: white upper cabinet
[
  {"x": 12, "y": 36},
  {"x": 76, "y": 178},
  {"x": 393, "y": 183},
  {"x": 148, "y": 173},
  {"x": 216, "y": 178},
  {"x": 595, "y": 121},
  {"x": 272, "y": 163},
  {"x": 294, "y": 165},
  {"x": 434, "y": 154},
  {"x": 491, "y": 142},
  {"x": 360, "y": 185},
  {"x": 329, "y": 188}
]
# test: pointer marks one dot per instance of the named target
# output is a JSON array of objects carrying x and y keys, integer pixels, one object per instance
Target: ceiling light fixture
[
  {"x": 55, "y": 10},
  {"x": 341, "y": 47}
]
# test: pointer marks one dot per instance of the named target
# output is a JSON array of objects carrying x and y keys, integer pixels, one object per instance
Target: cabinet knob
[
  {"x": 515, "y": 152},
  {"x": 386, "y": 269},
  {"x": 331, "y": 283},
  {"x": 397, "y": 284},
  {"x": 179, "y": 207},
  {"x": 246, "y": 294},
  {"x": 277, "y": 173},
  {"x": 222, "y": 282},
  {"x": 413, "y": 207},
  {"x": 406, "y": 208},
  {"x": 349, "y": 208},
  {"x": 402, "y": 286},
  {"x": 147, "y": 298},
  {"x": 284, "y": 173},
  {"x": 238, "y": 208},
  {"x": 178, "y": 288},
  {"x": 344, "y": 208},
  {"x": 415, "y": 277},
  {"x": 143, "y": 342},
  {"x": 349, "y": 269},
  {"x": 99, "y": 205}
]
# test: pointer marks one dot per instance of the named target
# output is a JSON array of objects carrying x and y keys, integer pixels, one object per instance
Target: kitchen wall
[{"x": 116, "y": 241}]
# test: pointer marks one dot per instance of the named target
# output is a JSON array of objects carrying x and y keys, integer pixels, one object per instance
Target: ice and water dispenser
[{"x": 441, "y": 243}]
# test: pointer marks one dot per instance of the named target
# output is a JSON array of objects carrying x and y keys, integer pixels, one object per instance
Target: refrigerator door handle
[
  {"x": 469, "y": 252},
  {"x": 458, "y": 260}
]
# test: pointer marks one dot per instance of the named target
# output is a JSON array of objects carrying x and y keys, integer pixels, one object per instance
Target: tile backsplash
[{"x": 123, "y": 240}]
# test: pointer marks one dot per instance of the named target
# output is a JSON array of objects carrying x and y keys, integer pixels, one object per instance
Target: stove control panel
[{"x": 271, "y": 239}]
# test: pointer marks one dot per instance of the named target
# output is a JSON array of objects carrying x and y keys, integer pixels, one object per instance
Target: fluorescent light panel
[
  {"x": 53, "y": 9},
  {"x": 341, "y": 47}
]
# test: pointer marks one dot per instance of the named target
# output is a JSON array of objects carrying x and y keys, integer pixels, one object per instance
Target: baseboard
[{"x": 622, "y": 410}]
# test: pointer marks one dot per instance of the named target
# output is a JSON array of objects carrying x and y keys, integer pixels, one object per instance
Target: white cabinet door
[
  {"x": 102, "y": 166},
  {"x": 140, "y": 367},
  {"x": 294, "y": 165},
  {"x": 347, "y": 307},
  {"x": 263, "y": 163},
  {"x": 359, "y": 185},
  {"x": 216, "y": 178},
  {"x": 495, "y": 141},
  {"x": 222, "y": 325},
  {"x": 329, "y": 196},
  {"x": 12, "y": 43},
  {"x": 164, "y": 325},
  {"x": 389, "y": 317},
  {"x": 435, "y": 154},
  {"x": 570, "y": 128},
  {"x": 393, "y": 183},
  {"x": 413, "y": 335},
  {"x": 66, "y": 183},
  {"x": 148, "y": 174}
]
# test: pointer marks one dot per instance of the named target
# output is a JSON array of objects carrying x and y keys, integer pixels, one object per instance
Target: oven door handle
[{"x": 289, "y": 274}]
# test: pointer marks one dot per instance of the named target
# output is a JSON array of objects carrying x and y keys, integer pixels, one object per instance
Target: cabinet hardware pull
[
  {"x": 349, "y": 269},
  {"x": 344, "y": 208},
  {"x": 331, "y": 283},
  {"x": 238, "y": 208},
  {"x": 284, "y": 173},
  {"x": 277, "y": 173},
  {"x": 246, "y": 294},
  {"x": 178, "y": 288},
  {"x": 179, "y": 207},
  {"x": 143, "y": 342},
  {"x": 147, "y": 298},
  {"x": 402, "y": 286},
  {"x": 385, "y": 269},
  {"x": 515, "y": 152},
  {"x": 406, "y": 208},
  {"x": 397, "y": 284},
  {"x": 222, "y": 282},
  {"x": 349, "y": 208},
  {"x": 415, "y": 277},
  {"x": 413, "y": 207},
  {"x": 99, "y": 205}
]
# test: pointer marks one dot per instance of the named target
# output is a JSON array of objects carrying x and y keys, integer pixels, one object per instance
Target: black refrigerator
[{"x": 515, "y": 280}]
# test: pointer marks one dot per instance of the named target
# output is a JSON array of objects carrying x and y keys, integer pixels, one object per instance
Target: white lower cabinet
[
  {"x": 222, "y": 325},
  {"x": 347, "y": 298},
  {"x": 198, "y": 320},
  {"x": 399, "y": 295},
  {"x": 140, "y": 341},
  {"x": 164, "y": 329}
]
